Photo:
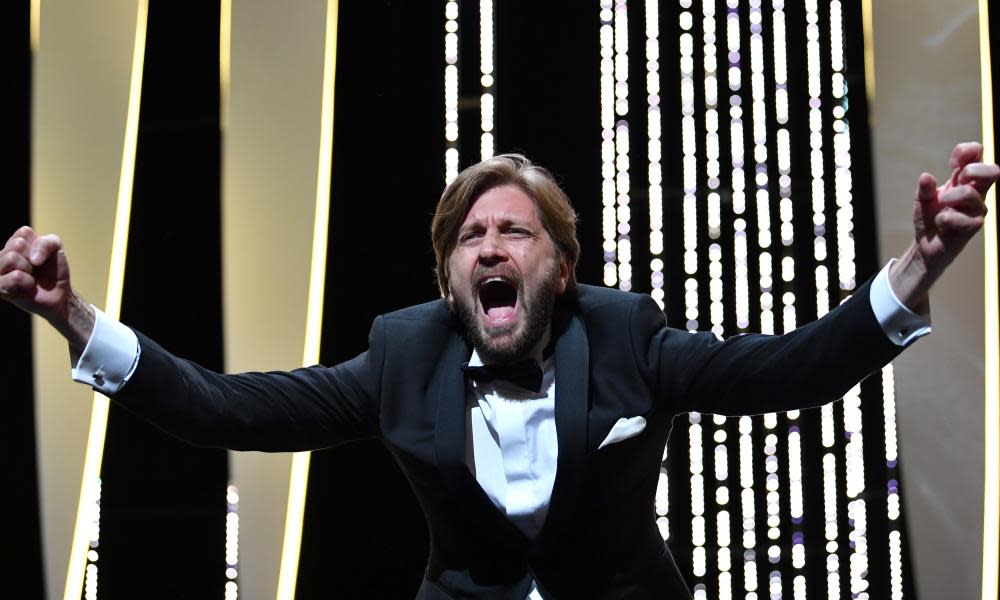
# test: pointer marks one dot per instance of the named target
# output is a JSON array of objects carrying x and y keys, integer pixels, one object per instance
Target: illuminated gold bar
[
  {"x": 84, "y": 88},
  {"x": 940, "y": 381},
  {"x": 90, "y": 485},
  {"x": 277, "y": 128},
  {"x": 314, "y": 315},
  {"x": 991, "y": 476}
]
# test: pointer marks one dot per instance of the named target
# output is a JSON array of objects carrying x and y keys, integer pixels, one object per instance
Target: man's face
[{"x": 505, "y": 274}]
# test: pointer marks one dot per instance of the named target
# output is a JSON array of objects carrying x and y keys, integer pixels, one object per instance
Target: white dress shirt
[{"x": 511, "y": 444}]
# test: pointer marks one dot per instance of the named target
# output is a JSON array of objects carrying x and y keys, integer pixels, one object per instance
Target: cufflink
[{"x": 99, "y": 377}]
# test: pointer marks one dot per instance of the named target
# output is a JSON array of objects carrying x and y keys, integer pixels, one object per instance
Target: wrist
[
  {"x": 911, "y": 279},
  {"x": 77, "y": 325}
]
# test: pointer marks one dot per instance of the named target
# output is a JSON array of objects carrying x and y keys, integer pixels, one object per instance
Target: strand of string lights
[
  {"x": 696, "y": 453},
  {"x": 712, "y": 165},
  {"x": 609, "y": 219},
  {"x": 773, "y": 502},
  {"x": 748, "y": 508},
  {"x": 451, "y": 90},
  {"x": 689, "y": 167},
  {"x": 892, "y": 496},
  {"x": 723, "y": 524},
  {"x": 714, "y": 226},
  {"x": 738, "y": 161},
  {"x": 654, "y": 155},
  {"x": 762, "y": 197},
  {"x": 842, "y": 184},
  {"x": 762, "y": 193},
  {"x": 486, "y": 80},
  {"x": 654, "y": 152},
  {"x": 689, "y": 174},
  {"x": 232, "y": 541},
  {"x": 742, "y": 284},
  {"x": 795, "y": 506},
  {"x": 90, "y": 575},
  {"x": 615, "y": 191},
  {"x": 622, "y": 182}
]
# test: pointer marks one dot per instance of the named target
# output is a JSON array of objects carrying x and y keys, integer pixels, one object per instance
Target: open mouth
[{"x": 498, "y": 299}]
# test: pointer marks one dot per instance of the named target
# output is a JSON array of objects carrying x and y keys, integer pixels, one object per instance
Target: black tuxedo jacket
[{"x": 614, "y": 358}]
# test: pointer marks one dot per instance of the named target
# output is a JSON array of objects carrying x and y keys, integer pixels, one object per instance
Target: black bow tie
[{"x": 524, "y": 373}]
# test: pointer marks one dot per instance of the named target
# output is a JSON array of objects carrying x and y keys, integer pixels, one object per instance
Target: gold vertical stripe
[
  {"x": 867, "y": 28},
  {"x": 112, "y": 307},
  {"x": 991, "y": 479},
  {"x": 225, "y": 51},
  {"x": 299, "y": 478},
  {"x": 35, "y": 25}
]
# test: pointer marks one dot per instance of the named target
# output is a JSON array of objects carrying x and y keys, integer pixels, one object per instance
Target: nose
[{"x": 492, "y": 249}]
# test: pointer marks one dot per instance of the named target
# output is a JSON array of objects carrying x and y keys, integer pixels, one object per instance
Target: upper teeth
[{"x": 492, "y": 279}]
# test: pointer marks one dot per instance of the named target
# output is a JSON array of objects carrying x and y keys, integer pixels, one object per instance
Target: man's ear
[{"x": 565, "y": 268}]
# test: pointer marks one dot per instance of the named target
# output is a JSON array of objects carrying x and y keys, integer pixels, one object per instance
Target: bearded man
[{"x": 528, "y": 412}]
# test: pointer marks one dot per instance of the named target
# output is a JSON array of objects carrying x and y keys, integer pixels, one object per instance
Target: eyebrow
[{"x": 505, "y": 220}]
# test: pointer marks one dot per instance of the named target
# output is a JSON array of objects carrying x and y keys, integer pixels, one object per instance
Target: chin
[{"x": 503, "y": 344}]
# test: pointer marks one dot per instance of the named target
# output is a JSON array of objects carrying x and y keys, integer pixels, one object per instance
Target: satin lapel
[
  {"x": 448, "y": 387},
  {"x": 572, "y": 374}
]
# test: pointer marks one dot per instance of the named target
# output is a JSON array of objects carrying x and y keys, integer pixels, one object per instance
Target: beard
[{"x": 502, "y": 345}]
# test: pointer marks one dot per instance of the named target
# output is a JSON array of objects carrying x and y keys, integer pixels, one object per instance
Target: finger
[
  {"x": 43, "y": 248},
  {"x": 15, "y": 284},
  {"x": 927, "y": 194},
  {"x": 979, "y": 175},
  {"x": 965, "y": 153},
  {"x": 17, "y": 245},
  {"x": 14, "y": 261},
  {"x": 24, "y": 233},
  {"x": 955, "y": 222},
  {"x": 964, "y": 198}
]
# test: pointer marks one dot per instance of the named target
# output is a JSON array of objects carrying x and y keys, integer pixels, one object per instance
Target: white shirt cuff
[
  {"x": 110, "y": 357},
  {"x": 900, "y": 324}
]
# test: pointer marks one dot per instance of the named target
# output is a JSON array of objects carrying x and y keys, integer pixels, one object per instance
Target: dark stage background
[{"x": 163, "y": 502}]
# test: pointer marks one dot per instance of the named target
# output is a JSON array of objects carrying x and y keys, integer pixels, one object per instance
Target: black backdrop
[{"x": 364, "y": 536}]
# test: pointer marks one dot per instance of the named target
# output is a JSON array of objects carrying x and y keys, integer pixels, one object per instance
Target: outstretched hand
[
  {"x": 944, "y": 219},
  {"x": 34, "y": 276}
]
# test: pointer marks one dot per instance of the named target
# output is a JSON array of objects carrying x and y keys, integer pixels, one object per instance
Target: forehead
[{"x": 506, "y": 203}]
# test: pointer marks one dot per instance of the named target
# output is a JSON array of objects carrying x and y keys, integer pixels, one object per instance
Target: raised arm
[
  {"x": 820, "y": 361},
  {"x": 302, "y": 409}
]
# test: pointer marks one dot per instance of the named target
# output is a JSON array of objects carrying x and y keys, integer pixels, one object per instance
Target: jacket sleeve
[
  {"x": 753, "y": 373},
  {"x": 303, "y": 409}
]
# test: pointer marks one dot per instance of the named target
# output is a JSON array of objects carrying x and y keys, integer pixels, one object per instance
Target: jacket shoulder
[
  {"x": 433, "y": 311},
  {"x": 590, "y": 298}
]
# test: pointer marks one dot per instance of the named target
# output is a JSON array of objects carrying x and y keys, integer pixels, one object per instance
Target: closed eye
[
  {"x": 469, "y": 236},
  {"x": 518, "y": 232}
]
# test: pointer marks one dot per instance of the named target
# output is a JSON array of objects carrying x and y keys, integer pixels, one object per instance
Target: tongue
[{"x": 499, "y": 312}]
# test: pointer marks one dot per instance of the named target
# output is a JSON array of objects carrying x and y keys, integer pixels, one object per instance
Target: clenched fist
[{"x": 34, "y": 275}]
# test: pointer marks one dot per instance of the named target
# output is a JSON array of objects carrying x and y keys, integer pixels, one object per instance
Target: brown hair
[{"x": 553, "y": 204}]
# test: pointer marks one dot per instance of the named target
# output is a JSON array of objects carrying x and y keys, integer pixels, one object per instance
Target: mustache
[{"x": 505, "y": 272}]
